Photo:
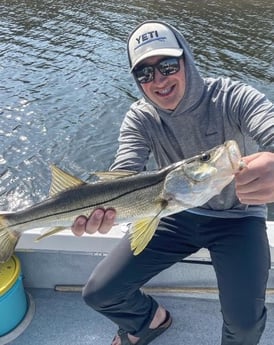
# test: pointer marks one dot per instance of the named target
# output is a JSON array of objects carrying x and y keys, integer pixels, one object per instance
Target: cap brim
[{"x": 164, "y": 52}]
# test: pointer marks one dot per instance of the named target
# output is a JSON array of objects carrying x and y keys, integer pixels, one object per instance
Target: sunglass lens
[
  {"x": 169, "y": 66},
  {"x": 145, "y": 74}
]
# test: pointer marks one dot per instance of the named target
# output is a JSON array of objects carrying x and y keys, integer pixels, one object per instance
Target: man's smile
[{"x": 166, "y": 91}]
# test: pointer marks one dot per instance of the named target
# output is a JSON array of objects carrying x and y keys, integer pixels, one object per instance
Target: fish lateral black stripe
[{"x": 88, "y": 206}]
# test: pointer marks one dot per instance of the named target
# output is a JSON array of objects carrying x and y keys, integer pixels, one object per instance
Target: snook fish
[{"x": 140, "y": 198}]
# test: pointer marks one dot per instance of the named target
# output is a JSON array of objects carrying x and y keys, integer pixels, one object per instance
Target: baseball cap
[{"x": 151, "y": 39}]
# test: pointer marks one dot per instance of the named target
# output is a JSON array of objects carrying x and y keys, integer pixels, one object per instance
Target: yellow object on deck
[{"x": 9, "y": 273}]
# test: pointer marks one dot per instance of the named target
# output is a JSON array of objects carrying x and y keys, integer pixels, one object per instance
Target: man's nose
[{"x": 158, "y": 77}]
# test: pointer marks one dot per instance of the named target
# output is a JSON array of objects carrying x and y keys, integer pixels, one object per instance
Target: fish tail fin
[
  {"x": 8, "y": 239},
  {"x": 142, "y": 232}
]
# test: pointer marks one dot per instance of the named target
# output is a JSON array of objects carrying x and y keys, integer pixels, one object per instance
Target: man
[{"x": 180, "y": 115}]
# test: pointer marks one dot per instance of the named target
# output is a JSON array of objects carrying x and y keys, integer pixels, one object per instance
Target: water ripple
[{"x": 65, "y": 84}]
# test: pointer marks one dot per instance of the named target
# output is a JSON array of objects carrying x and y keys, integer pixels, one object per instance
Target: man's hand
[
  {"x": 100, "y": 220},
  {"x": 255, "y": 183}
]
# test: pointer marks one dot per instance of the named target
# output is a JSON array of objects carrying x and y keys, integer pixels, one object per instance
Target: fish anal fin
[
  {"x": 62, "y": 180},
  {"x": 141, "y": 233},
  {"x": 50, "y": 232}
]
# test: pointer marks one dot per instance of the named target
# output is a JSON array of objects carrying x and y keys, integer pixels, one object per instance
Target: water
[{"x": 65, "y": 85}]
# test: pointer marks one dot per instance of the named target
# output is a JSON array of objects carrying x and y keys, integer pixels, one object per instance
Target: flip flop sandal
[{"x": 150, "y": 335}]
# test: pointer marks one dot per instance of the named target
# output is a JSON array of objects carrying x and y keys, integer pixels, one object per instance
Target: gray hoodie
[{"x": 210, "y": 112}]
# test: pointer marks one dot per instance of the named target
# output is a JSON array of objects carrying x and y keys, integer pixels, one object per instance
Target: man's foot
[
  {"x": 132, "y": 340},
  {"x": 161, "y": 316}
]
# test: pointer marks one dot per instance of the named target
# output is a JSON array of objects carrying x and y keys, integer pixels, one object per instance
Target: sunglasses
[{"x": 167, "y": 66}]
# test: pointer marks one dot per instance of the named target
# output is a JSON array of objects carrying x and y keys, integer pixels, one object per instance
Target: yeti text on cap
[{"x": 148, "y": 37}]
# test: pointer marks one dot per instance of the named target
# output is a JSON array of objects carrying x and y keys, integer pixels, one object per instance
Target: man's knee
[{"x": 95, "y": 294}]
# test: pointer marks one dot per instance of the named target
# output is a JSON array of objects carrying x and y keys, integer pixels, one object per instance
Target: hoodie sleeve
[
  {"x": 133, "y": 152},
  {"x": 254, "y": 114}
]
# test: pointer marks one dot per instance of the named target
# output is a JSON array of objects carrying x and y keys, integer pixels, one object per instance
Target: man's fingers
[
  {"x": 79, "y": 226},
  {"x": 94, "y": 221},
  {"x": 108, "y": 221},
  {"x": 101, "y": 220}
]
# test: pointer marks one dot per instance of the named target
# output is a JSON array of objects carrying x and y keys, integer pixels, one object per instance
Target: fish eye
[{"x": 205, "y": 157}]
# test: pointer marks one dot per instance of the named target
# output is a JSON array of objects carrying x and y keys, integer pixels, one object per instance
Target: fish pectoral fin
[
  {"x": 62, "y": 180},
  {"x": 50, "y": 232},
  {"x": 113, "y": 175},
  {"x": 141, "y": 233}
]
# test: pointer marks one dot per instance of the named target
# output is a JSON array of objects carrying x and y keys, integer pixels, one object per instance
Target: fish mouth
[{"x": 234, "y": 156}]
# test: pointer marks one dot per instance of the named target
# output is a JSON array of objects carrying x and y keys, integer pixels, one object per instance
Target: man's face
[{"x": 165, "y": 91}]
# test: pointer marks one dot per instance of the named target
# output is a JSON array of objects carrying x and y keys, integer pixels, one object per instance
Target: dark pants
[{"x": 240, "y": 255}]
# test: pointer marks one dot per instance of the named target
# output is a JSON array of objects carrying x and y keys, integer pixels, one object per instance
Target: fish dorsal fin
[
  {"x": 141, "y": 233},
  {"x": 113, "y": 175},
  {"x": 61, "y": 181}
]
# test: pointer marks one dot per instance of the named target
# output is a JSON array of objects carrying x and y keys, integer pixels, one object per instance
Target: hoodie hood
[{"x": 194, "y": 82}]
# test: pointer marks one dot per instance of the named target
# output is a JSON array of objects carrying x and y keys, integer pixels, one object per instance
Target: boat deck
[
  {"x": 62, "y": 318},
  {"x": 55, "y": 269}
]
